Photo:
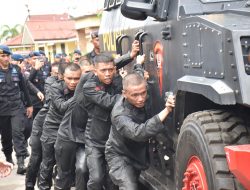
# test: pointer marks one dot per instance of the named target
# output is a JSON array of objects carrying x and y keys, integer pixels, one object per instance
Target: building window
[
  {"x": 54, "y": 49},
  {"x": 63, "y": 48}
]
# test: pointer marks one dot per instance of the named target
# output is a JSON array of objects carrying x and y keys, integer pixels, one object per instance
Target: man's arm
[
  {"x": 128, "y": 57},
  {"x": 137, "y": 132},
  {"x": 141, "y": 132},
  {"x": 57, "y": 98},
  {"x": 96, "y": 96}
]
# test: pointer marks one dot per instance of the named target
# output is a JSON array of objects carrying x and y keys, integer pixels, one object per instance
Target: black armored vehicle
[{"x": 200, "y": 51}]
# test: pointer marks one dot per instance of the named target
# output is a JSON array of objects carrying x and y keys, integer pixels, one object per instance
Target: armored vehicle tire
[{"x": 200, "y": 157}]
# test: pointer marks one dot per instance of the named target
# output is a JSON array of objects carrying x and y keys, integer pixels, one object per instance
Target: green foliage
[{"x": 7, "y": 32}]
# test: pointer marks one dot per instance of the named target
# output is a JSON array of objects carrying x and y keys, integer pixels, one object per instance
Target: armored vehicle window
[
  {"x": 217, "y": 1},
  {"x": 245, "y": 44},
  {"x": 109, "y": 4}
]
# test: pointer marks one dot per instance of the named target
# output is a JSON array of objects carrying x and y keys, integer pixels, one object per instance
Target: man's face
[
  {"x": 14, "y": 62},
  {"x": 32, "y": 60},
  {"x": 54, "y": 71},
  {"x": 95, "y": 42},
  {"x": 136, "y": 95},
  {"x": 4, "y": 60},
  {"x": 71, "y": 78},
  {"x": 105, "y": 72},
  {"x": 76, "y": 56}
]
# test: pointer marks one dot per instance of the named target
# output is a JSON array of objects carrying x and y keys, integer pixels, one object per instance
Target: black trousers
[
  {"x": 18, "y": 127},
  {"x": 46, "y": 167},
  {"x": 27, "y": 127},
  {"x": 122, "y": 173},
  {"x": 98, "y": 170},
  {"x": 6, "y": 134},
  {"x": 71, "y": 165},
  {"x": 36, "y": 149},
  {"x": 35, "y": 159}
]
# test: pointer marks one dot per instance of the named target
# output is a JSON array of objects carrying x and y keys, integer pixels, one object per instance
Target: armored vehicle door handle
[
  {"x": 118, "y": 48},
  {"x": 137, "y": 35},
  {"x": 141, "y": 41},
  {"x": 119, "y": 43}
]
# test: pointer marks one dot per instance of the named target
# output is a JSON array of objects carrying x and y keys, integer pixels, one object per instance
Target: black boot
[
  {"x": 20, "y": 163},
  {"x": 29, "y": 188},
  {"x": 9, "y": 158}
]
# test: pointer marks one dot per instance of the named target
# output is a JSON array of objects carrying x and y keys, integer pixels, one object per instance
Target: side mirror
[
  {"x": 132, "y": 13},
  {"x": 140, "y": 9}
]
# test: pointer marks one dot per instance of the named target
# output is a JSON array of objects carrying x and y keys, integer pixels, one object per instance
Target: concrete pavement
[{"x": 14, "y": 181}]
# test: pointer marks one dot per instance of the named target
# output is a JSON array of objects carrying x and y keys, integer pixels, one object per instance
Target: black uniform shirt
[
  {"x": 99, "y": 100},
  {"x": 38, "y": 77},
  {"x": 130, "y": 132},
  {"x": 61, "y": 98},
  {"x": 91, "y": 55},
  {"x": 73, "y": 125},
  {"x": 43, "y": 112},
  {"x": 11, "y": 85}
]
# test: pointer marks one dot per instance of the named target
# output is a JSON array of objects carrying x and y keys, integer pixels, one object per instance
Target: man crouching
[{"x": 126, "y": 148}]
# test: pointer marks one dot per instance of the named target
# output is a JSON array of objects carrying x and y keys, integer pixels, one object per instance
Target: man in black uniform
[
  {"x": 126, "y": 148},
  {"x": 38, "y": 74},
  {"x": 11, "y": 108},
  {"x": 35, "y": 142},
  {"x": 95, "y": 41},
  {"x": 100, "y": 92},
  {"x": 61, "y": 97},
  {"x": 70, "y": 143}
]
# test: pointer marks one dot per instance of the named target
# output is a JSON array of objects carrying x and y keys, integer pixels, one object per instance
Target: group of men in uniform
[{"x": 94, "y": 125}]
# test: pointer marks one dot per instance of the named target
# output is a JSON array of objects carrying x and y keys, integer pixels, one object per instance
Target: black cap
[
  {"x": 34, "y": 53},
  {"x": 77, "y": 51},
  {"x": 94, "y": 34},
  {"x": 42, "y": 52},
  {"x": 5, "y": 50},
  {"x": 17, "y": 57}
]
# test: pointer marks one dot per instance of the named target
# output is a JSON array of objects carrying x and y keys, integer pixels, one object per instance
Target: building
[
  {"x": 60, "y": 33},
  {"x": 52, "y": 33}
]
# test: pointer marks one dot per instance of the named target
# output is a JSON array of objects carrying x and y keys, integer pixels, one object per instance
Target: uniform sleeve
[
  {"x": 33, "y": 74},
  {"x": 32, "y": 88},
  {"x": 123, "y": 60},
  {"x": 137, "y": 132},
  {"x": 103, "y": 99},
  {"x": 58, "y": 100},
  {"x": 24, "y": 88}
]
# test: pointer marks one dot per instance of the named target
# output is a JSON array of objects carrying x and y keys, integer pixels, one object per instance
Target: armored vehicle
[{"x": 200, "y": 51}]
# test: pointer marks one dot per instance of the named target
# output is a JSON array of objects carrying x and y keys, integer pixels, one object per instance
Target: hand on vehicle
[
  {"x": 135, "y": 49},
  {"x": 170, "y": 103},
  {"x": 123, "y": 72},
  {"x": 140, "y": 59}
]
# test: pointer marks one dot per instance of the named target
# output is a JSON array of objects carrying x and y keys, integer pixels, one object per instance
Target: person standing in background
[{"x": 95, "y": 41}]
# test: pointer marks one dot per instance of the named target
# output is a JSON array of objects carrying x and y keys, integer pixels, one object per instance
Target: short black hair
[
  {"x": 133, "y": 79},
  {"x": 61, "y": 67},
  {"x": 56, "y": 64},
  {"x": 103, "y": 57},
  {"x": 84, "y": 61},
  {"x": 73, "y": 67}
]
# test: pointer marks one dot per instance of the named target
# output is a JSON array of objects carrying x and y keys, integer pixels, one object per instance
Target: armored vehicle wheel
[{"x": 200, "y": 157}]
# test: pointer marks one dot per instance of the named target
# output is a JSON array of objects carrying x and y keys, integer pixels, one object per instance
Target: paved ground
[
  {"x": 14, "y": 181},
  {"x": 17, "y": 182}
]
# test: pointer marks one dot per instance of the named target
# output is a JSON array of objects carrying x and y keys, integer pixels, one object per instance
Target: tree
[{"x": 8, "y": 32}]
